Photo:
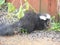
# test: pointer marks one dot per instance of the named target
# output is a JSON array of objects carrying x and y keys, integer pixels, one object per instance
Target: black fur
[{"x": 30, "y": 22}]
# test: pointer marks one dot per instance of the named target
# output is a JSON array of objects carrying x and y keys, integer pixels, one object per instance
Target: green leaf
[
  {"x": 11, "y": 7},
  {"x": 20, "y": 13},
  {"x": 1, "y": 2},
  {"x": 27, "y": 4}
]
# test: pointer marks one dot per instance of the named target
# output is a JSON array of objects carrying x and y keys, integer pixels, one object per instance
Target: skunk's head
[{"x": 45, "y": 20}]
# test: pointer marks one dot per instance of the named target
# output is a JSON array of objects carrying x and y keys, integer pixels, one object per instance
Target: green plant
[
  {"x": 55, "y": 25},
  {"x": 11, "y": 7},
  {"x": 23, "y": 31},
  {"x": 26, "y": 5},
  {"x": 20, "y": 14},
  {"x": 2, "y": 2},
  {"x": 24, "y": 8}
]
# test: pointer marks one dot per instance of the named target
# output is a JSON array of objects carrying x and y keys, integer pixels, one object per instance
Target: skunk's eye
[{"x": 42, "y": 17}]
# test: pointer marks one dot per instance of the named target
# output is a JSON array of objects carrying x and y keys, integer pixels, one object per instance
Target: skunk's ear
[
  {"x": 42, "y": 17},
  {"x": 48, "y": 16}
]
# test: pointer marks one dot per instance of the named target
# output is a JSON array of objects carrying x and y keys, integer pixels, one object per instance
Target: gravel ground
[{"x": 35, "y": 38}]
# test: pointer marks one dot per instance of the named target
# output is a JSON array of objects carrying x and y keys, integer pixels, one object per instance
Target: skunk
[{"x": 30, "y": 22}]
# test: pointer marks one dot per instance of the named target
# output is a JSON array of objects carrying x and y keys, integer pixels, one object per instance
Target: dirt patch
[{"x": 31, "y": 39}]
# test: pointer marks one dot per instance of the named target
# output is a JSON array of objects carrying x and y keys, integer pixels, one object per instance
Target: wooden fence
[{"x": 42, "y": 6}]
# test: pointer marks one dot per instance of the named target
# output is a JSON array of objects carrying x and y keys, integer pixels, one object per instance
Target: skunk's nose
[{"x": 48, "y": 24}]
